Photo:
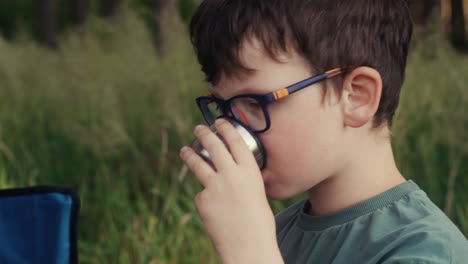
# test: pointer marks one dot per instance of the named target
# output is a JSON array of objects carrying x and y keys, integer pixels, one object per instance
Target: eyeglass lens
[
  {"x": 249, "y": 112},
  {"x": 246, "y": 110}
]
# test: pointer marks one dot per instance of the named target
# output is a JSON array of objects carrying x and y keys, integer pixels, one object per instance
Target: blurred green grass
[{"x": 106, "y": 115}]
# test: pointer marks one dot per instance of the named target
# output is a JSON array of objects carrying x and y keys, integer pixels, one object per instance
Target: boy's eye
[{"x": 254, "y": 105}]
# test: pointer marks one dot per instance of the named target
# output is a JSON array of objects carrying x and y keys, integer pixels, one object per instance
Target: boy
[{"x": 328, "y": 136}]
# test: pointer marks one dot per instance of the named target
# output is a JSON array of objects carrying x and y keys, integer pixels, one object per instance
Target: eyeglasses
[{"x": 251, "y": 109}]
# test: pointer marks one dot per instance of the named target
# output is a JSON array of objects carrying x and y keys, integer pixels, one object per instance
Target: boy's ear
[{"x": 362, "y": 89}]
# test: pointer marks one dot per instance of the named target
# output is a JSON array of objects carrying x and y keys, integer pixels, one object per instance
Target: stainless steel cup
[{"x": 252, "y": 141}]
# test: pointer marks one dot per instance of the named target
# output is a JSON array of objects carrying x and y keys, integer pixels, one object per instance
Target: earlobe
[{"x": 362, "y": 89}]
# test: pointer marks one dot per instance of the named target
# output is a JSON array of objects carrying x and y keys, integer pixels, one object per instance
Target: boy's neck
[{"x": 370, "y": 171}]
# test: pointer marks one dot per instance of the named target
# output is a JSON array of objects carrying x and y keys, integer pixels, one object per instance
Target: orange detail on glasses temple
[
  {"x": 336, "y": 69},
  {"x": 341, "y": 70},
  {"x": 281, "y": 93}
]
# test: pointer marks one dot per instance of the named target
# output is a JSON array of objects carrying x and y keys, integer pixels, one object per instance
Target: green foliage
[
  {"x": 431, "y": 123},
  {"x": 186, "y": 9},
  {"x": 107, "y": 116}
]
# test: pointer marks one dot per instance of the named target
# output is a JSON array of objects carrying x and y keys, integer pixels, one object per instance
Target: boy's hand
[{"x": 233, "y": 206}]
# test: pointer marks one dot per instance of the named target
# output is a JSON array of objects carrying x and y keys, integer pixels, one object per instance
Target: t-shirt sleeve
[{"x": 421, "y": 248}]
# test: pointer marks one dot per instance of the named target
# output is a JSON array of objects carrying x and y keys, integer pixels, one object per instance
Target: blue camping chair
[{"x": 38, "y": 225}]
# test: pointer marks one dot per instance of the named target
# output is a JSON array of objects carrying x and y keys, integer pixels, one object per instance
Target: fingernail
[
  {"x": 219, "y": 121},
  {"x": 198, "y": 128},
  {"x": 183, "y": 149}
]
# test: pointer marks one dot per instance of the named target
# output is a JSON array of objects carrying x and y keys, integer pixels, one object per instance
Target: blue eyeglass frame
[{"x": 264, "y": 99}]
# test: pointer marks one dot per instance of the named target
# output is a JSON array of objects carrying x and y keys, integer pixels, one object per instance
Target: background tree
[
  {"x": 458, "y": 33},
  {"x": 108, "y": 8},
  {"x": 455, "y": 18},
  {"x": 165, "y": 16},
  {"x": 422, "y": 10},
  {"x": 79, "y": 11},
  {"x": 47, "y": 15}
]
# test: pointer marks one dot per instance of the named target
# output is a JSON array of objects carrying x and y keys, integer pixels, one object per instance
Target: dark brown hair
[{"x": 327, "y": 33}]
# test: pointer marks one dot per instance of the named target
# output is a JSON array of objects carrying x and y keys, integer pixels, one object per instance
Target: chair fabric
[{"x": 38, "y": 225}]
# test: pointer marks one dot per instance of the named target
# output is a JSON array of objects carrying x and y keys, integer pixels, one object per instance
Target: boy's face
[{"x": 303, "y": 144}]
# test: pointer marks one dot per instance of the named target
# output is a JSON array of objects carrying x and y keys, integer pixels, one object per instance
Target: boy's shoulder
[
  {"x": 428, "y": 236},
  {"x": 400, "y": 226}
]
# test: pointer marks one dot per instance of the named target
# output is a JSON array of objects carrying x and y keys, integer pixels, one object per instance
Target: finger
[
  {"x": 218, "y": 152},
  {"x": 237, "y": 146},
  {"x": 200, "y": 201},
  {"x": 197, "y": 165}
]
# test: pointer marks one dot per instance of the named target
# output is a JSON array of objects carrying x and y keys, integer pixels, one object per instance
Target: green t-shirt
[{"x": 401, "y": 225}]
